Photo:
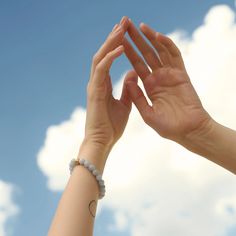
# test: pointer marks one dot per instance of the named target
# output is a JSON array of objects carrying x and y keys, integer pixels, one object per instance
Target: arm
[
  {"x": 215, "y": 142},
  {"x": 106, "y": 119},
  {"x": 176, "y": 111},
  {"x": 77, "y": 207}
]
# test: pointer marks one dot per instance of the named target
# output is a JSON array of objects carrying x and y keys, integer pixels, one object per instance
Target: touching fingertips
[{"x": 123, "y": 20}]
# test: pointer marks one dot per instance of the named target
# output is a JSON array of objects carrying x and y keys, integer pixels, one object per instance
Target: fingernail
[
  {"x": 142, "y": 24},
  {"x": 115, "y": 27},
  {"x": 123, "y": 19}
]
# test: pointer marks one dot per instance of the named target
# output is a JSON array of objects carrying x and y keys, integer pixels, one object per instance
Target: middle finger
[
  {"x": 136, "y": 60},
  {"x": 147, "y": 51}
]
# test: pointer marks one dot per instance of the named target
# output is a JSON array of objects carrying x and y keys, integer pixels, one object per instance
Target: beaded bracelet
[{"x": 94, "y": 172}]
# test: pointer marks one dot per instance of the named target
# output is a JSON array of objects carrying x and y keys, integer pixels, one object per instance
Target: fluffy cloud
[
  {"x": 164, "y": 189},
  {"x": 7, "y": 208}
]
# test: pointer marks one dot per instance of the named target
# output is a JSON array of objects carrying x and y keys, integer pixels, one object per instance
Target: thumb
[
  {"x": 125, "y": 97},
  {"x": 138, "y": 98}
]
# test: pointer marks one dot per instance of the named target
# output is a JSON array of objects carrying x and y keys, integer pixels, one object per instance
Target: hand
[
  {"x": 106, "y": 116},
  {"x": 176, "y": 110}
]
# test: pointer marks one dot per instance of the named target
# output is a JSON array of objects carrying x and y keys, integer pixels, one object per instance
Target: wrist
[
  {"x": 216, "y": 143},
  {"x": 94, "y": 152},
  {"x": 201, "y": 140}
]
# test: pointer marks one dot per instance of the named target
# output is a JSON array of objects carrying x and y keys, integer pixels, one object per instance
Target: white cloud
[
  {"x": 8, "y": 209},
  {"x": 164, "y": 189}
]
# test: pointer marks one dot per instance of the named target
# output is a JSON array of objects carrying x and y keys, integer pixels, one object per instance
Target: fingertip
[
  {"x": 124, "y": 23},
  {"x": 131, "y": 77},
  {"x": 119, "y": 50},
  {"x": 142, "y": 25},
  {"x": 133, "y": 72},
  {"x": 131, "y": 86},
  {"x": 124, "y": 19},
  {"x": 121, "y": 47}
]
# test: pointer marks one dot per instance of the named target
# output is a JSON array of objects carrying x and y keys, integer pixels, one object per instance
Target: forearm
[
  {"x": 77, "y": 207},
  {"x": 215, "y": 142}
]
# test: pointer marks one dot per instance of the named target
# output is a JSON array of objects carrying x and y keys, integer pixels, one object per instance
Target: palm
[
  {"x": 107, "y": 118},
  {"x": 177, "y": 110}
]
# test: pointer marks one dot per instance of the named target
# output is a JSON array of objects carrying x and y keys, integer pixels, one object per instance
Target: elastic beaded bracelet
[{"x": 93, "y": 171}]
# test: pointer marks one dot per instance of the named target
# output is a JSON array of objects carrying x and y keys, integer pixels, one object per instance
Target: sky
[{"x": 46, "y": 50}]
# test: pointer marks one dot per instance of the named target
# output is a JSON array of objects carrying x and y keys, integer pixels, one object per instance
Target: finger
[
  {"x": 103, "y": 67},
  {"x": 113, "y": 40},
  {"x": 161, "y": 49},
  {"x": 148, "y": 53},
  {"x": 136, "y": 61},
  {"x": 140, "y": 101},
  {"x": 125, "y": 97},
  {"x": 172, "y": 48},
  {"x": 116, "y": 25}
]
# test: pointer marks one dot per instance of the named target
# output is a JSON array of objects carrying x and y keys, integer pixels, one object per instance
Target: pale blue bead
[
  {"x": 81, "y": 161},
  {"x": 91, "y": 167},
  {"x": 95, "y": 172}
]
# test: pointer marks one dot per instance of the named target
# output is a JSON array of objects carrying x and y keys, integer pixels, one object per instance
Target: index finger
[{"x": 113, "y": 40}]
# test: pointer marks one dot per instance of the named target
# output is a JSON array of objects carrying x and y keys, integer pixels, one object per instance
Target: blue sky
[{"x": 46, "y": 50}]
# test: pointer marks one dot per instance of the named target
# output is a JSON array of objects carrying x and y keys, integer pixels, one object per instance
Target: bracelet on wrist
[{"x": 92, "y": 169}]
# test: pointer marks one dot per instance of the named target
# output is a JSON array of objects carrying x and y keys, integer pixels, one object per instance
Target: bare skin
[
  {"x": 176, "y": 113},
  {"x": 105, "y": 122}
]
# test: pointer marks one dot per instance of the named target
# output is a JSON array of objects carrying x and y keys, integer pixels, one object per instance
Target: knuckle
[
  {"x": 95, "y": 58},
  {"x": 178, "y": 52},
  {"x": 168, "y": 41}
]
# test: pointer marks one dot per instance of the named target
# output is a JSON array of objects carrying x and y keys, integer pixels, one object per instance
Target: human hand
[
  {"x": 176, "y": 110},
  {"x": 106, "y": 116}
]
